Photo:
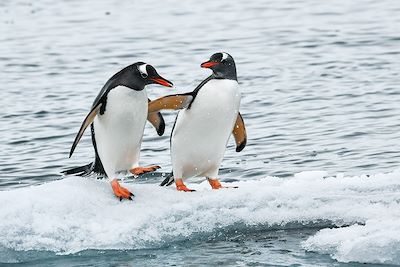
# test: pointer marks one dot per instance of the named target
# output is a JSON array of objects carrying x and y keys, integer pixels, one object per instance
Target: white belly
[
  {"x": 119, "y": 130},
  {"x": 201, "y": 133}
]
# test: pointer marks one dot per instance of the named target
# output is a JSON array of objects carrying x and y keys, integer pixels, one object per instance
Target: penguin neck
[
  {"x": 135, "y": 87},
  {"x": 226, "y": 73},
  {"x": 228, "y": 76}
]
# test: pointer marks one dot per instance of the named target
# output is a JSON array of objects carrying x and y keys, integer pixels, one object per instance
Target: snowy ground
[{"x": 360, "y": 214}]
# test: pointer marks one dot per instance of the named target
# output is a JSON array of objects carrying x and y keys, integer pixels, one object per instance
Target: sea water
[{"x": 319, "y": 181}]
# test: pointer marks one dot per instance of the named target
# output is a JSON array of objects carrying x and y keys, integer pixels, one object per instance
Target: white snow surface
[{"x": 75, "y": 214}]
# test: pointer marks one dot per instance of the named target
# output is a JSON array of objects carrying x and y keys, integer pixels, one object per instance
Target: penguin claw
[
  {"x": 228, "y": 187},
  {"x": 185, "y": 189},
  {"x": 119, "y": 191}
]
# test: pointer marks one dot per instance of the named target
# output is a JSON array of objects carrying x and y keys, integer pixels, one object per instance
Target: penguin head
[
  {"x": 147, "y": 74},
  {"x": 222, "y": 65},
  {"x": 137, "y": 76}
]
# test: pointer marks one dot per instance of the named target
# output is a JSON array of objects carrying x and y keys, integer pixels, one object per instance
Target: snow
[{"x": 75, "y": 214}]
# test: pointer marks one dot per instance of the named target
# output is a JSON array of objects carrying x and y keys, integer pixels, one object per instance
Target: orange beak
[
  {"x": 208, "y": 64},
  {"x": 160, "y": 80}
]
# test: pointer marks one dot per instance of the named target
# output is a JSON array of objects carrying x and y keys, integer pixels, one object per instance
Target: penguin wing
[
  {"x": 239, "y": 133},
  {"x": 88, "y": 120},
  {"x": 157, "y": 120},
  {"x": 178, "y": 101},
  {"x": 99, "y": 104}
]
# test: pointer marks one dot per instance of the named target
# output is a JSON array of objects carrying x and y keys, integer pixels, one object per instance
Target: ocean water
[{"x": 319, "y": 181}]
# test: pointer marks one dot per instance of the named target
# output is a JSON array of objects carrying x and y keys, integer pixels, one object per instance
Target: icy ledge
[
  {"x": 377, "y": 240},
  {"x": 75, "y": 214}
]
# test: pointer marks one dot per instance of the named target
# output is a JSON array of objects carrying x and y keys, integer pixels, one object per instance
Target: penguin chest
[
  {"x": 202, "y": 132},
  {"x": 119, "y": 130}
]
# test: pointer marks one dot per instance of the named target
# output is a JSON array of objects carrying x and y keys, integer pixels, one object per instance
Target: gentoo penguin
[
  {"x": 117, "y": 120},
  {"x": 202, "y": 128}
]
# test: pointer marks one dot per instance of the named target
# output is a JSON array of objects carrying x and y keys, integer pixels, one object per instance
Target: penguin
[
  {"x": 117, "y": 119},
  {"x": 207, "y": 118}
]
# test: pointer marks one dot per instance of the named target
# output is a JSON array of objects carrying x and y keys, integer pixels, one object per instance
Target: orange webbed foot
[
  {"x": 184, "y": 188},
  {"x": 142, "y": 170},
  {"x": 119, "y": 191},
  {"x": 180, "y": 186},
  {"x": 215, "y": 184}
]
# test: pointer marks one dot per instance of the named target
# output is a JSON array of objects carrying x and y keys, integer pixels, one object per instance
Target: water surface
[{"x": 320, "y": 86}]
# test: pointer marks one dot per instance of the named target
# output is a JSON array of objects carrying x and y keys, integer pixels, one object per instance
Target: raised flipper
[
  {"x": 88, "y": 120},
  {"x": 174, "y": 102},
  {"x": 157, "y": 120},
  {"x": 239, "y": 132}
]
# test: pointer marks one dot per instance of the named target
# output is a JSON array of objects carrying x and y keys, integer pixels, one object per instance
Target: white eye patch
[
  {"x": 224, "y": 56},
  {"x": 143, "y": 70}
]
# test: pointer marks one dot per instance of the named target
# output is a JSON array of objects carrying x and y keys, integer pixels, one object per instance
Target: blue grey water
[{"x": 319, "y": 79}]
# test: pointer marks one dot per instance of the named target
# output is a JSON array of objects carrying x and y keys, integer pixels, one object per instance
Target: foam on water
[{"x": 75, "y": 214}]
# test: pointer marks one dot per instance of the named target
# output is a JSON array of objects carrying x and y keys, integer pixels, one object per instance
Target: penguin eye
[{"x": 143, "y": 71}]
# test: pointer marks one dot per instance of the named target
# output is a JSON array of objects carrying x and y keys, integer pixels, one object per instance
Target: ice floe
[{"x": 75, "y": 214}]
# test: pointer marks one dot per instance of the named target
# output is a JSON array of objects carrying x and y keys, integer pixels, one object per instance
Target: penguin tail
[
  {"x": 168, "y": 180},
  {"x": 80, "y": 171}
]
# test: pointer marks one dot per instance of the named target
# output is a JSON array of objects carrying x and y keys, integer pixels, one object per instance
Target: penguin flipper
[
  {"x": 157, "y": 120},
  {"x": 174, "y": 102},
  {"x": 88, "y": 120},
  {"x": 239, "y": 133}
]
